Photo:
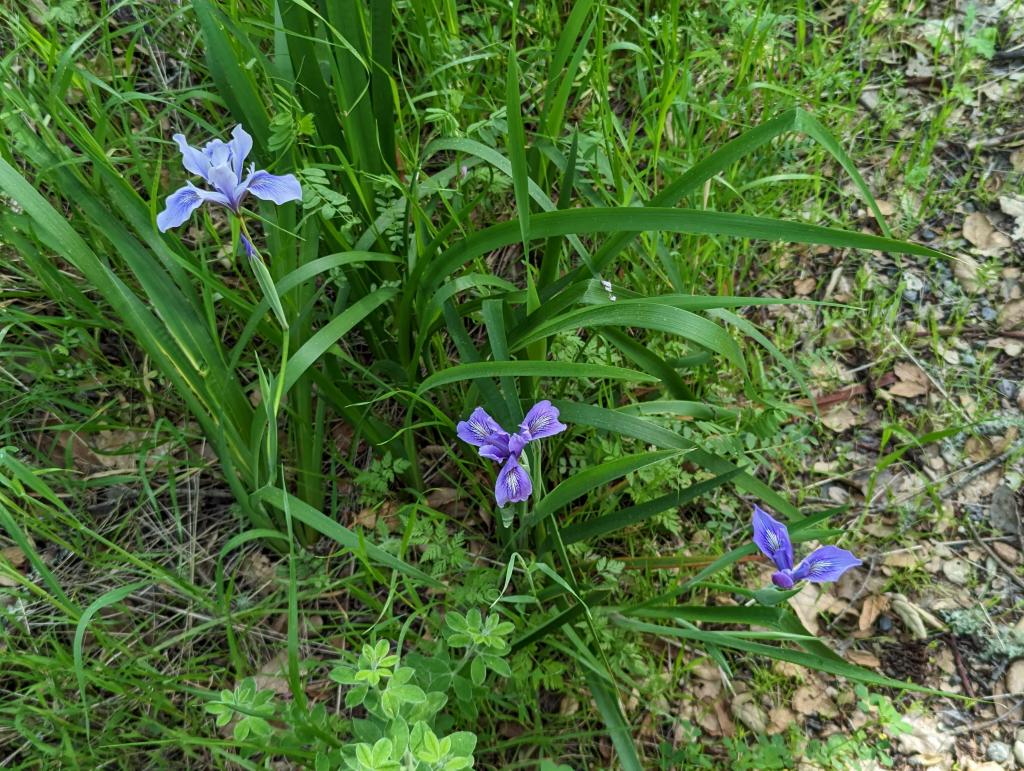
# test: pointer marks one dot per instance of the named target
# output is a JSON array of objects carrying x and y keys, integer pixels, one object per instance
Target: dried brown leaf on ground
[
  {"x": 750, "y": 713},
  {"x": 812, "y": 600},
  {"x": 966, "y": 268},
  {"x": 873, "y": 607},
  {"x": 1011, "y": 316},
  {"x": 912, "y": 381},
  {"x": 812, "y": 700},
  {"x": 841, "y": 418},
  {"x": 864, "y": 659},
  {"x": 980, "y": 232},
  {"x": 804, "y": 286}
]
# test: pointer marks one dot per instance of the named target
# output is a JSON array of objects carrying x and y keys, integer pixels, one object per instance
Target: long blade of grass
[
  {"x": 635, "y": 220},
  {"x": 325, "y": 337},
  {"x": 583, "y": 482},
  {"x": 567, "y": 369}
]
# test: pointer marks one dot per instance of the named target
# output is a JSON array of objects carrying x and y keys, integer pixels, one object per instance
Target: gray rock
[
  {"x": 956, "y": 571},
  {"x": 1007, "y": 388},
  {"x": 910, "y": 295},
  {"x": 927, "y": 234},
  {"x": 1018, "y": 752},
  {"x": 988, "y": 313},
  {"x": 1002, "y": 511},
  {"x": 998, "y": 751}
]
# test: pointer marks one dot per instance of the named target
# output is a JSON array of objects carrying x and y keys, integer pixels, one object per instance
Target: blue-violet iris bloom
[
  {"x": 826, "y": 563},
  {"x": 221, "y": 165},
  {"x": 483, "y": 431}
]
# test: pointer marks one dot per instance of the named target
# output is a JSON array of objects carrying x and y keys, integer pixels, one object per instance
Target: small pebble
[
  {"x": 998, "y": 751},
  {"x": 956, "y": 571},
  {"x": 910, "y": 295},
  {"x": 927, "y": 234},
  {"x": 988, "y": 313},
  {"x": 968, "y": 359},
  {"x": 1018, "y": 752},
  {"x": 884, "y": 623},
  {"x": 1007, "y": 388}
]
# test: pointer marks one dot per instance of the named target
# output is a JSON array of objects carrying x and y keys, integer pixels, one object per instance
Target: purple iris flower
[
  {"x": 495, "y": 443},
  {"x": 826, "y": 563},
  {"x": 221, "y": 165}
]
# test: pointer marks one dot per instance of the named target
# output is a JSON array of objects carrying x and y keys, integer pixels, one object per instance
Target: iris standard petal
[
  {"x": 827, "y": 563},
  {"x": 541, "y": 421},
  {"x": 513, "y": 484},
  {"x": 192, "y": 159},
  {"x": 240, "y": 145},
  {"x": 495, "y": 450},
  {"x": 218, "y": 152},
  {"x": 772, "y": 538},
  {"x": 479, "y": 429},
  {"x": 516, "y": 443},
  {"x": 179, "y": 207},
  {"x": 271, "y": 187},
  {"x": 222, "y": 177}
]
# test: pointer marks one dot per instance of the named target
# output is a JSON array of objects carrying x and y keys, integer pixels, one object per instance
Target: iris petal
[
  {"x": 513, "y": 485},
  {"x": 222, "y": 177},
  {"x": 179, "y": 207},
  {"x": 826, "y": 563},
  {"x": 480, "y": 429},
  {"x": 271, "y": 187},
  {"x": 241, "y": 145},
  {"x": 772, "y": 538},
  {"x": 541, "y": 421},
  {"x": 192, "y": 159}
]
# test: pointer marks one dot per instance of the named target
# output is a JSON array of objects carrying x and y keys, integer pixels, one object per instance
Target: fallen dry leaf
[
  {"x": 901, "y": 559},
  {"x": 1017, "y": 160},
  {"x": 864, "y": 659},
  {"x": 750, "y": 713},
  {"x": 978, "y": 230},
  {"x": 809, "y": 602},
  {"x": 966, "y": 268},
  {"x": 812, "y": 700},
  {"x": 840, "y": 419},
  {"x": 873, "y": 607},
  {"x": 780, "y": 719},
  {"x": 912, "y": 381},
  {"x": 886, "y": 208},
  {"x": 1012, "y": 348},
  {"x": 804, "y": 286},
  {"x": 1011, "y": 316}
]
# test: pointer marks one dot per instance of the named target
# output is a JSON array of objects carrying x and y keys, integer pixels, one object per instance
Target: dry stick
[
  {"x": 992, "y": 553},
  {"x": 960, "y": 668},
  {"x": 972, "y": 727}
]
